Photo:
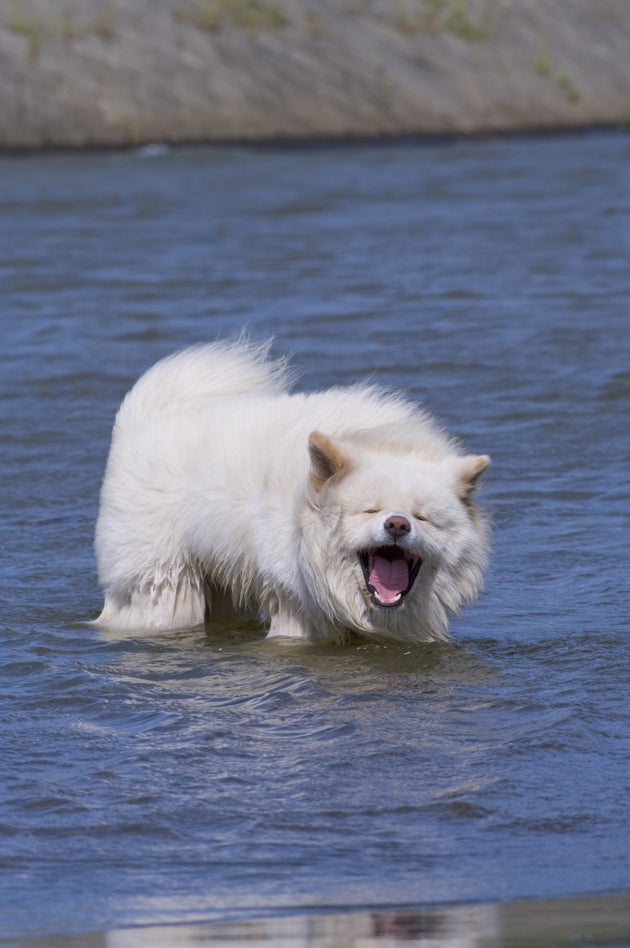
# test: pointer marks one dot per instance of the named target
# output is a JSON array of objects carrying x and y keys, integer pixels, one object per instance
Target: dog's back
[{"x": 197, "y": 374}]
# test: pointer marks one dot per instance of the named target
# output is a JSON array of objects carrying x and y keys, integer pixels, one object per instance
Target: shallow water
[{"x": 220, "y": 776}]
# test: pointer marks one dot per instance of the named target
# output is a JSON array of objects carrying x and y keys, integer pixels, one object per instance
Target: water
[{"x": 219, "y": 776}]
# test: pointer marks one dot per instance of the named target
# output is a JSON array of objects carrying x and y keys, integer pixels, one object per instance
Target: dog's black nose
[{"x": 397, "y": 526}]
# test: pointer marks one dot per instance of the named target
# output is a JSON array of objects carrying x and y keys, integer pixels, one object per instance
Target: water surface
[{"x": 217, "y": 775}]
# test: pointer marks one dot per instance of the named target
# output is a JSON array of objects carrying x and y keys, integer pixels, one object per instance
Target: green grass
[
  {"x": 448, "y": 16},
  {"x": 66, "y": 27},
  {"x": 563, "y": 79},
  {"x": 542, "y": 63},
  {"x": 567, "y": 82},
  {"x": 314, "y": 24},
  {"x": 212, "y": 15},
  {"x": 72, "y": 29},
  {"x": 30, "y": 28}
]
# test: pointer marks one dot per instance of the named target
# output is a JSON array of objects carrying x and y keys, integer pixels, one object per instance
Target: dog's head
[{"x": 391, "y": 540}]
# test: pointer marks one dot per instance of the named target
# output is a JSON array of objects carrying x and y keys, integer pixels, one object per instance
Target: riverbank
[{"x": 127, "y": 72}]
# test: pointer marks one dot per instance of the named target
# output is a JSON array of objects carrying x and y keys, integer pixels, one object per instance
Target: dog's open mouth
[{"x": 390, "y": 572}]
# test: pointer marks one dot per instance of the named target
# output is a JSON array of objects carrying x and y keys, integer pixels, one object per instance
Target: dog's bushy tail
[{"x": 203, "y": 372}]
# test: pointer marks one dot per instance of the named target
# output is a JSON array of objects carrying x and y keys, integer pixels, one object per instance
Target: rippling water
[{"x": 219, "y": 775}]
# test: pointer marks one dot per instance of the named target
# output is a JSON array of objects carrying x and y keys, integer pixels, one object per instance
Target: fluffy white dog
[{"x": 332, "y": 514}]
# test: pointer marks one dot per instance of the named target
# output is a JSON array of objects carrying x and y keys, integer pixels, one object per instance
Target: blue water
[{"x": 214, "y": 775}]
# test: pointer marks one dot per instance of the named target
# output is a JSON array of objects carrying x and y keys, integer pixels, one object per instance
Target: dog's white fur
[{"x": 221, "y": 493}]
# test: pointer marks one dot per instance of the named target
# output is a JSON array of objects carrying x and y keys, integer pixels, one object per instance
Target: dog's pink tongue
[{"x": 389, "y": 577}]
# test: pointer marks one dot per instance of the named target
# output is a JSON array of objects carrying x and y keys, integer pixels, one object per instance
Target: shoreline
[
  {"x": 403, "y": 140},
  {"x": 127, "y": 73}
]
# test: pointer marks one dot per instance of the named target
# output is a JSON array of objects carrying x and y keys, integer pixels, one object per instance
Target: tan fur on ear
[
  {"x": 327, "y": 459},
  {"x": 470, "y": 468}
]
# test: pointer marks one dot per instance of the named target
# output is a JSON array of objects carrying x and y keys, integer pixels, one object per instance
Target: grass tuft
[
  {"x": 449, "y": 16},
  {"x": 212, "y": 15},
  {"x": 65, "y": 27},
  {"x": 31, "y": 28}
]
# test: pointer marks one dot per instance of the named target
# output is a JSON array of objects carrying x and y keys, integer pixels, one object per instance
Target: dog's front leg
[{"x": 286, "y": 621}]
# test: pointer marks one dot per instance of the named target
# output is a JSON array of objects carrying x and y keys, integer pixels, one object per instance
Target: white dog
[{"x": 330, "y": 514}]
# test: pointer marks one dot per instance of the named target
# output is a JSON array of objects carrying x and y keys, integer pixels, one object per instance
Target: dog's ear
[
  {"x": 469, "y": 469},
  {"x": 327, "y": 459}
]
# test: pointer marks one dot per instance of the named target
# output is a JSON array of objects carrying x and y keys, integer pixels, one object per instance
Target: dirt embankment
[{"x": 123, "y": 72}]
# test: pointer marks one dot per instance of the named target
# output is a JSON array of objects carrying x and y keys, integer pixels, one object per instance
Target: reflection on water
[
  {"x": 219, "y": 776},
  {"x": 603, "y": 921}
]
